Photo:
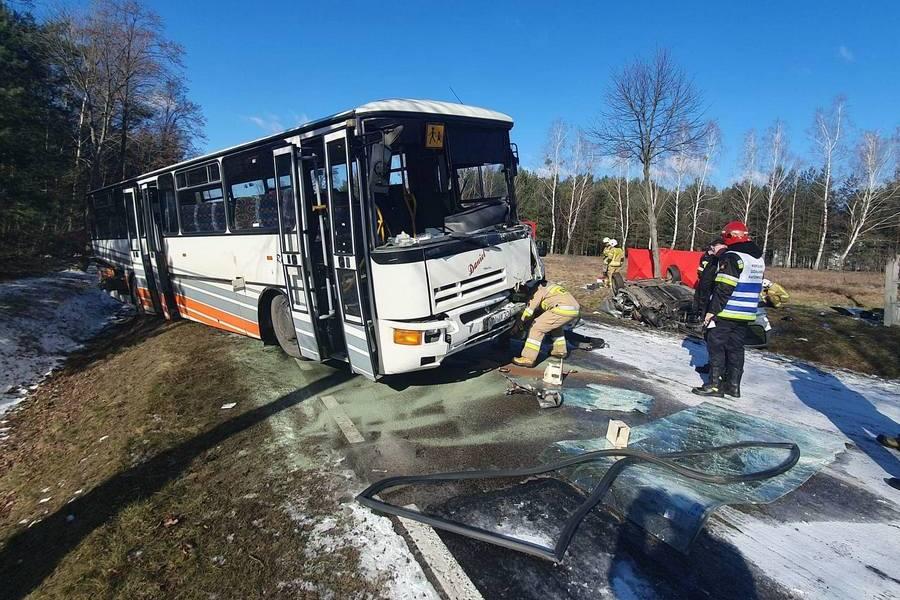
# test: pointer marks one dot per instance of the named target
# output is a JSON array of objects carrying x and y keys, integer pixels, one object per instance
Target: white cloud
[
  {"x": 268, "y": 123},
  {"x": 272, "y": 123},
  {"x": 845, "y": 53}
]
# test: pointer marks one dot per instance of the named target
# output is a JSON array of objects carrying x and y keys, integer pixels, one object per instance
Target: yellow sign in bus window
[{"x": 434, "y": 135}]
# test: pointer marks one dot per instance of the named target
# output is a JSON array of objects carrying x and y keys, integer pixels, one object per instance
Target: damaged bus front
[{"x": 448, "y": 251}]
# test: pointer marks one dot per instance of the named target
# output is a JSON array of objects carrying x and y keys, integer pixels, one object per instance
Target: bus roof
[{"x": 388, "y": 106}]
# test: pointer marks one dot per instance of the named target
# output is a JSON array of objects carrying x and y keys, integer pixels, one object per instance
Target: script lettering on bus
[{"x": 477, "y": 262}]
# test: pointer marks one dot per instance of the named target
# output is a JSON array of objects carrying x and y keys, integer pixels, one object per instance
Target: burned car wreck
[{"x": 669, "y": 304}]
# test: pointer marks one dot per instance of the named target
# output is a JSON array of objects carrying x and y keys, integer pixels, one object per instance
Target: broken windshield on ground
[
  {"x": 439, "y": 179},
  {"x": 673, "y": 508}
]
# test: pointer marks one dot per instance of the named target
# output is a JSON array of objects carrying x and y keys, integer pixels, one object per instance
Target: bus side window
[
  {"x": 251, "y": 191},
  {"x": 200, "y": 209},
  {"x": 339, "y": 182},
  {"x": 167, "y": 205}
]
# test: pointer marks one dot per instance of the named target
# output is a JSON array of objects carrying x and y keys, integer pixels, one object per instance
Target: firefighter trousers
[
  {"x": 547, "y": 322},
  {"x": 725, "y": 344}
]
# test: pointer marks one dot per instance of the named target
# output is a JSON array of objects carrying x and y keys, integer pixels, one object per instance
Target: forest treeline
[
  {"x": 642, "y": 175},
  {"x": 88, "y": 97},
  {"x": 93, "y": 96}
]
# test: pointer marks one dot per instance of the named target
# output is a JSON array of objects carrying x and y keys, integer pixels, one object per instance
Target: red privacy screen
[{"x": 640, "y": 265}]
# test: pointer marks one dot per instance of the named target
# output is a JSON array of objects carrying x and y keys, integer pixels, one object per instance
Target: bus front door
[
  {"x": 293, "y": 245},
  {"x": 137, "y": 281},
  {"x": 156, "y": 268},
  {"x": 348, "y": 258}
]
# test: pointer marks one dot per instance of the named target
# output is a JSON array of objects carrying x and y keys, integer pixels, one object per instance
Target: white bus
[{"x": 385, "y": 236}]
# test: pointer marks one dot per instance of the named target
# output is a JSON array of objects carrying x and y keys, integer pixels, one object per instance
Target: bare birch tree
[
  {"x": 749, "y": 174},
  {"x": 826, "y": 135},
  {"x": 648, "y": 105},
  {"x": 710, "y": 149},
  {"x": 873, "y": 205},
  {"x": 621, "y": 193},
  {"x": 777, "y": 147},
  {"x": 553, "y": 166},
  {"x": 789, "y": 261},
  {"x": 581, "y": 184},
  {"x": 679, "y": 163}
]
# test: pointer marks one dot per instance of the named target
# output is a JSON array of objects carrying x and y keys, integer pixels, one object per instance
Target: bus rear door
[
  {"x": 156, "y": 266},
  {"x": 348, "y": 259},
  {"x": 293, "y": 244}
]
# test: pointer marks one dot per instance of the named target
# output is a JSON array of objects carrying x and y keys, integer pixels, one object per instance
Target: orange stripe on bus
[
  {"x": 227, "y": 319},
  {"x": 199, "y": 318}
]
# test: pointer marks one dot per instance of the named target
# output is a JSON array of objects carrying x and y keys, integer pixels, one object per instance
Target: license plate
[{"x": 497, "y": 318}]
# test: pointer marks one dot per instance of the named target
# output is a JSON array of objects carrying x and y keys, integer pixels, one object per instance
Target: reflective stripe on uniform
[
  {"x": 728, "y": 279},
  {"x": 566, "y": 311},
  {"x": 560, "y": 341},
  {"x": 738, "y": 316},
  {"x": 527, "y": 313},
  {"x": 533, "y": 344}
]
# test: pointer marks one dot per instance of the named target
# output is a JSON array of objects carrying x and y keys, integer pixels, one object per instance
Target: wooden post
[{"x": 891, "y": 280}]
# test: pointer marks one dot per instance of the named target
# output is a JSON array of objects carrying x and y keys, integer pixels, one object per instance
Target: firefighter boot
[
  {"x": 713, "y": 387},
  {"x": 732, "y": 384},
  {"x": 523, "y": 362}
]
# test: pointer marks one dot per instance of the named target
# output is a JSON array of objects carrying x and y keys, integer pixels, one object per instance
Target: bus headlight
[{"x": 407, "y": 337}]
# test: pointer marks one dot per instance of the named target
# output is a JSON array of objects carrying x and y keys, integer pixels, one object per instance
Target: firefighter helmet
[{"x": 735, "y": 232}]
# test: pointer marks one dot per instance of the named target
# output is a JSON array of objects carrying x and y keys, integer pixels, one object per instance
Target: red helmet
[{"x": 735, "y": 232}]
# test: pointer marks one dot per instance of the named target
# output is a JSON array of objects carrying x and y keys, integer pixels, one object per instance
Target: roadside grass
[
  {"x": 831, "y": 288},
  {"x": 822, "y": 336},
  {"x": 154, "y": 491},
  {"x": 812, "y": 331}
]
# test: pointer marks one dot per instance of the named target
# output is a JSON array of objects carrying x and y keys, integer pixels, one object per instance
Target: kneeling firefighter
[
  {"x": 557, "y": 308},
  {"x": 732, "y": 307}
]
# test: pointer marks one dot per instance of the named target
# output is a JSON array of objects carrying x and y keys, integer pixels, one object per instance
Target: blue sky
[{"x": 255, "y": 67}]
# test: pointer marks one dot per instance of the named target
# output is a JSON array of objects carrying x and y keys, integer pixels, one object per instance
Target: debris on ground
[
  {"x": 597, "y": 396},
  {"x": 874, "y": 316}
]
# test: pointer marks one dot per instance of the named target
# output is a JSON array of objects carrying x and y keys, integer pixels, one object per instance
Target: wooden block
[{"x": 618, "y": 433}]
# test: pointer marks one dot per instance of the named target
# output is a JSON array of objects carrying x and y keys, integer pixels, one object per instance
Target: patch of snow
[
  {"x": 779, "y": 388},
  {"x": 505, "y": 526},
  {"x": 381, "y": 548},
  {"x": 44, "y": 318},
  {"x": 813, "y": 559},
  {"x": 383, "y": 554},
  {"x": 826, "y": 559}
]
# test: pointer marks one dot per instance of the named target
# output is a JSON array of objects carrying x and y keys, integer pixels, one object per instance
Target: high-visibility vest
[{"x": 744, "y": 300}]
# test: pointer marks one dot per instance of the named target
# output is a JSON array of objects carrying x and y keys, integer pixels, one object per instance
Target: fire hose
[{"x": 628, "y": 457}]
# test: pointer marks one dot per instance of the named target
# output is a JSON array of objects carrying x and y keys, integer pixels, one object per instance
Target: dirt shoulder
[{"x": 123, "y": 476}]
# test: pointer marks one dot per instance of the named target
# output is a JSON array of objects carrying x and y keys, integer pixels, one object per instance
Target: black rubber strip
[{"x": 555, "y": 554}]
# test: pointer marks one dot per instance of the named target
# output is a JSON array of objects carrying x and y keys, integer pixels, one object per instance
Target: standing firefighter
[
  {"x": 612, "y": 258},
  {"x": 732, "y": 307},
  {"x": 557, "y": 308},
  {"x": 706, "y": 279}
]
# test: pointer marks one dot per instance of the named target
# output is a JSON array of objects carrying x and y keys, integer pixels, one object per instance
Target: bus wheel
[{"x": 284, "y": 326}]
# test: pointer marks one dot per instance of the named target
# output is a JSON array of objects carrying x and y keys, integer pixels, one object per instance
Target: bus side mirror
[{"x": 379, "y": 168}]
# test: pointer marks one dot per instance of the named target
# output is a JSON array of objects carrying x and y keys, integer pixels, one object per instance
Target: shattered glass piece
[
  {"x": 674, "y": 509},
  {"x": 597, "y": 396}
]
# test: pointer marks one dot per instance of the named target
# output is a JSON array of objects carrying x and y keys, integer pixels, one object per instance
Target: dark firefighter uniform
[
  {"x": 706, "y": 277},
  {"x": 557, "y": 308},
  {"x": 732, "y": 306}
]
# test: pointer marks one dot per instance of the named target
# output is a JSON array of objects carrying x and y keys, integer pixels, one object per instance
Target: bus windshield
[{"x": 437, "y": 179}]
